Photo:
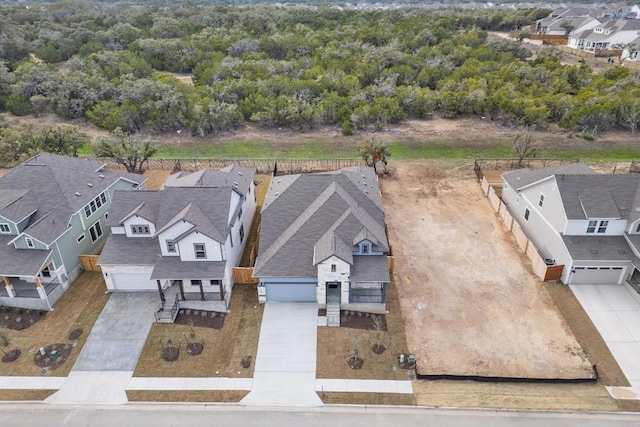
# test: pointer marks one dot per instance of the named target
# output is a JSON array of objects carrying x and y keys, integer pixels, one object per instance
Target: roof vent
[
  {"x": 366, "y": 192},
  {"x": 364, "y": 177},
  {"x": 622, "y": 251},
  {"x": 89, "y": 184},
  {"x": 276, "y": 193},
  {"x": 637, "y": 209},
  {"x": 594, "y": 251},
  {"x": 235, "y": 183},
  {"x": 279, "y": 181},
  {"x": 77, "y": 194},
  {"x": 240, "y": 173},
  {"x": 101, "y": 176}
]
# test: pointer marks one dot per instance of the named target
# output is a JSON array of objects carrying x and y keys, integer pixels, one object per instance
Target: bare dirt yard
[{"x": 470, "y": 305}]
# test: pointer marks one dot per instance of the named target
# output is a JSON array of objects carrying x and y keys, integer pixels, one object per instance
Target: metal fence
[
  {"x": 263, "y": 166},
  {"x": 510, "y": 164}
]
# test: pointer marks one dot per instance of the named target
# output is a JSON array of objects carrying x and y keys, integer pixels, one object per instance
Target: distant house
[
  {"x": 576, "y": 17},
  {"x": 323, "y": 240},
  {"x": 606, "y": 35},
  {"x": 587, "y": 222},
  {"x": 52, "y": 209},
  {"x": 181, "y": 241}
]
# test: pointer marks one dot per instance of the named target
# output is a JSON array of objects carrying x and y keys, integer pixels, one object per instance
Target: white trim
[{"x": 101, "y": 231}]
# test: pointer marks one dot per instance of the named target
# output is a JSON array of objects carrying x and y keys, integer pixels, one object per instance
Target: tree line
[{"x": 112, "y": 65}]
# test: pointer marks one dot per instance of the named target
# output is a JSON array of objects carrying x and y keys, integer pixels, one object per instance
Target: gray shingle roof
[
  {"x": 301, "y": 209},
  {"x": 600, "y": 196},
  {"x": 330, "y": 244},
  {"x": 370, "y": 269},
  {"x": 519, "y": 178},
  {"x": 20, "y": 262},
  {"x": 234, "y": 176},
  {"x": 56, "y": 187},
  {"x": 123, "y": 250},
  {"x": 172, "y": 268},
  {"x": 206, "y": 208},
  {"x": 601, "y": 248}
]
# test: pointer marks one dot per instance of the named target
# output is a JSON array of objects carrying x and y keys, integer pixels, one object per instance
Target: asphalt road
[{"x": 194, "y": 415}]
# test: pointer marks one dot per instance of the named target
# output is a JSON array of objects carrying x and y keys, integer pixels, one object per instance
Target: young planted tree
[
  {"x": 129, "y": 151},
  {"x": 378, "y": 347},
  {"x": 355, "y": 360},
  {"x": 8, "y": 356}
]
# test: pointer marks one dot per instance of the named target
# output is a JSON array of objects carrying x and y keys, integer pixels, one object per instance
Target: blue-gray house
[
  {"x": 52, "y": 209},
  {"x": 322, "y": 239}
]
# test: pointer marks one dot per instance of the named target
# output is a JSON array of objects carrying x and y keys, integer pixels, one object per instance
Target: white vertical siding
[
  {"x": 186, "y": 249},
  {"x": 138, "y": 220}
]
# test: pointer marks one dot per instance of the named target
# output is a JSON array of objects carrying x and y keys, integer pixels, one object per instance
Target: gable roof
[
  {"x": 519, "y": 178},
  {"x": 600, "y": 196},
  {"x": 317, "y": 215},
  {"x": 206, "y": 208},
  {"x": 54, "y": 187},
  {"x": 237, "y": 177}
]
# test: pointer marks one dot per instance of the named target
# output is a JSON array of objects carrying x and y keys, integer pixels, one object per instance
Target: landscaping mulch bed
[
  {"x": 356, "y": 362},
  {"x": 378, "y": 348},
  {"x": 75, "y": 334},
  {"x": 201, "y": 318},
  {"x": 170, "y": 354},
  {"x": 357, "y": 320},
  {"x": 195, "y": 348},
  {"x": 19, "y": 318},
  {"x": 11, "y": 356},
  {"x": 52, "y": 360}
]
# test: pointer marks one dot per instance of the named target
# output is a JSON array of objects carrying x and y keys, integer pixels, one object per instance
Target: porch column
[
  {"x": 160, "y": 290},
  {"x": 181, "y": 289},
  {"x": 7, "y": 285},
  {"x": 201, "y": 292},
  {"x": 40, "y": 289}
]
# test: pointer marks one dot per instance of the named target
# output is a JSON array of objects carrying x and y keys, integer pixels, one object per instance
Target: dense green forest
[{"x": 294, "y": 67}]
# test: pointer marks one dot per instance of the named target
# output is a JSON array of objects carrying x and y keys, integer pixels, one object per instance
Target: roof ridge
[
  {"x": 174, "y": 219},
  {"x": 359, "y": 213},
  {"x": 296, "y": 224}
]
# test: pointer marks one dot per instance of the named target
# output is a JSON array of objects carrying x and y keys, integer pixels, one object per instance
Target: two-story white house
[
  {"x": 606, "y": 35},
  {"x": 323, "y": 240},
  {"x": 181, "y": 241},
  {"x": 588, "y": 222},
  {"x": 52, "y": 209}
]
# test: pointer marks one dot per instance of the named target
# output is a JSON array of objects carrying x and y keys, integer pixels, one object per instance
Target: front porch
[
  {"x": 36, "y": 295},
  {"x": 173, "y": 297}
]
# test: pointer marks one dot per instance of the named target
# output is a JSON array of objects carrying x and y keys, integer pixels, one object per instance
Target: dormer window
[
  {"x": 171, "y": 246},
  {"x": 591, "y": 227},
  {"x": 365, "y": 248},
  {"x": 4, "y": 228},
  {"x": 140, "y": 229},
  {"x": 29, "y": 242},
  {"x": 602, "y": 228}
]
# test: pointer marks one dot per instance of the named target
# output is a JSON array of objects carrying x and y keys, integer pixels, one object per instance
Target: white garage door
[
  {"x": 133, "y": 282},
  {"x": 597, "y": 275},
  {"x": 291, "y": 292}
]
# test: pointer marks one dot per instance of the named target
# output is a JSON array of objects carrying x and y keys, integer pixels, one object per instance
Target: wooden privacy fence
[
  {"x": 263, "y": 166},
  {"x": 511, "y": 164},
  {"x": 244, "y": 275},
  {"x": 89, "y": 262},
  {"x": 540, "y": 268}
]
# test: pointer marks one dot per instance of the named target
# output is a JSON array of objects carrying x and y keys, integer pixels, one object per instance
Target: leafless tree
[{"x": 524, "y": 145}]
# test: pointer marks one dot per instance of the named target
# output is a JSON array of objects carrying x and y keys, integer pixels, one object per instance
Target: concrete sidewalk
[
  {"x": 285, "y": 372},
  {"x": 615, "y": 312}
]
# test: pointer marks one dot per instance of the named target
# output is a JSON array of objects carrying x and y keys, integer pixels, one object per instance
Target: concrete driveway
[
  {"x": 117, "y": 337},
  {"x": 107, "y": 360},
  {"x": 285, "y": 372},
  {"x": 615, "y": 312}
]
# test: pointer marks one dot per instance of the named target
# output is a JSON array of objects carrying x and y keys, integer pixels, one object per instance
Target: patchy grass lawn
[
  {"x": 228, "y": 396},
  {"x": 79, "y": 307},
  {"x": 367, "y": 398},
  {"x": 223, "y": 348},
  {"x": 18, "y": 394},
  {"x": 335, "y": 347}
]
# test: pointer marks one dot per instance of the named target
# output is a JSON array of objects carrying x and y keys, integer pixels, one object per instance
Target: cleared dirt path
[{"x": 471, "y": 307}]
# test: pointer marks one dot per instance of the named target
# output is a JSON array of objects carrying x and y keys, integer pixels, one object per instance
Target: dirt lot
[{"x": 471, "y": 308}]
